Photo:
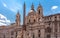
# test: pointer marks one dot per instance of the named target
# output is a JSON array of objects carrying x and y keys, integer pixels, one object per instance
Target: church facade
[{"x": 35, "y": 25}]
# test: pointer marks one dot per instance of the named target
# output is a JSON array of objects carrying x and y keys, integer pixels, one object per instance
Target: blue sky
[{"x": 9, "y": 8}]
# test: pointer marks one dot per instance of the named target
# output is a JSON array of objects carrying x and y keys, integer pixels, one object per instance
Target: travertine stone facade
[{"x": 35, "y": 25}]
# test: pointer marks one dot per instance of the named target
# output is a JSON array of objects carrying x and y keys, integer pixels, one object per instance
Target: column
[
  {"x": 58, "y": 34},
  {"x": 53, "y": 30},
  {"x": 18, "y": 34},
  {"x": 42, "y": 32},
  {"x": 36, "y": 33},
  {"x": 25, "y": 34},
  {"x": 30, "y": 34}
]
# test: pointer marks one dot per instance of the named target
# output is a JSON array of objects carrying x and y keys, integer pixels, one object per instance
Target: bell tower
[
  {"x": 18, "y": 19},
  {"x": 40, "y": 13},
  {"x": 40, "y": 10},
  {"x": 41, "y": 20}
]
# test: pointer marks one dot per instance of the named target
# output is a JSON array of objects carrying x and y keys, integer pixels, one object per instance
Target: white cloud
[
  {"x": 4, "y": 4},
  {"x": 2, "y": 24},
  {"x": 54, "y": 7},
  {"x": 4, "y": 20},
  {"x": 12, "y": 5},
  {"x": 12, "y": 9},
  {"x": 16, "y": 7}
]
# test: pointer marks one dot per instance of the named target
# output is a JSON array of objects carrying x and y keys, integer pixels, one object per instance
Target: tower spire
[
  {"x": 32, "y": 7},
  {"x": 40, "y": 10}
]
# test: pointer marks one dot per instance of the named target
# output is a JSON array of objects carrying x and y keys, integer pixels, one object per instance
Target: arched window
[
  {"x": 39, "y": 11},
  {"x": 48, "y": 30}
]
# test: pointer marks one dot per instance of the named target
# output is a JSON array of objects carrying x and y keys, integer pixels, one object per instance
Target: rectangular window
[
  {"x": 33, "y": 36},
  {"x": 12, "y": 33},
  {"x": 16, "y": 34},
  {"x": 4, "y": 36},
  {"x": 39, "y": 31},
  {"x": 38, "y": 35}
]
